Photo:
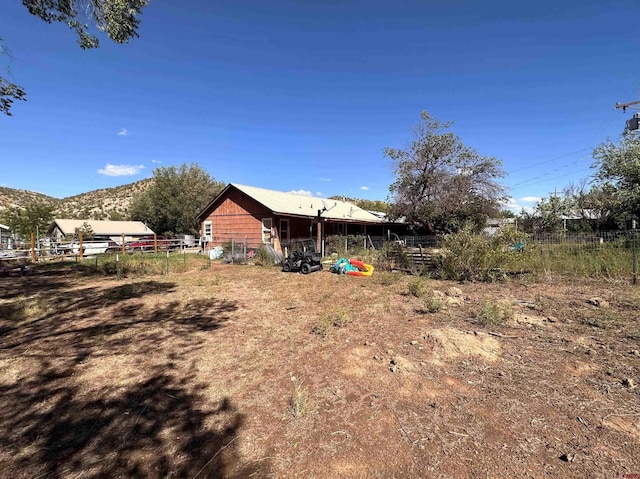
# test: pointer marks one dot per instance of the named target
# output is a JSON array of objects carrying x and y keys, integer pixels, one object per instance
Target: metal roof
[
  {"x": 301, "y": 205},
  {"x": 103, "y": 227}
]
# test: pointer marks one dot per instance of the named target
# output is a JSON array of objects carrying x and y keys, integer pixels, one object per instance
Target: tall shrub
[{"x": 470, "y": 256}]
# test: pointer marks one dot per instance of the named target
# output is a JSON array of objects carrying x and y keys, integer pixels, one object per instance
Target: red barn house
[{"x": 259, "y": 216}]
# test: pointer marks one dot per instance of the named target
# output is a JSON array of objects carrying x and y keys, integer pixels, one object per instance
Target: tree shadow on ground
[
  {"x": 60, "y": 417},
  {"x": 152, "y": 429},
  {"x": 83, "y": 316}
]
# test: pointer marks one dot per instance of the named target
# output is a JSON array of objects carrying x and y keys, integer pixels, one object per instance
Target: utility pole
[{"x": 633, "y": 124}]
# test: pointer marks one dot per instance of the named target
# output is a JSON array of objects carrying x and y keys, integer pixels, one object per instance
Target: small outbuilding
[
  {"x": 5, "y": 237},
  {"x": 256, "y": 216},
  {"x": 61, "y": 228}
]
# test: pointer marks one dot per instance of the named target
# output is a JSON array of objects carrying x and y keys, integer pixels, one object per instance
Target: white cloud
[
  {"x": 123, "y": 132},
  {"x": 156, "y": 161},
  {"x": 515, "y": 206},
  {"x": 511, "y": 204},
  {"x": 301, "y": 192},
  {"x": 530, "y": 199},
  {"x": 120, "y": 170},
  {"x": 364, "y": 188},
  {"x": 325, "y": 179},
  {"x": 319, "y": 193}
]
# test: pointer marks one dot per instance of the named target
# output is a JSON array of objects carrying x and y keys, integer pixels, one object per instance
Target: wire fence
[{"x": 608, "y": 254}]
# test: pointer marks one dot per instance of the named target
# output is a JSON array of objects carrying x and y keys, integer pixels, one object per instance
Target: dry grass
[
  {"x": 23, "y": 308},
  {"x": 189, "y": 375},
  {"x": 299, "y": 403},
  {"x": 338, "y": 318}
]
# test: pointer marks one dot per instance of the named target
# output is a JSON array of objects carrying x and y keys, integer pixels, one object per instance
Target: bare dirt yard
[{"x": 243, "y": 371}]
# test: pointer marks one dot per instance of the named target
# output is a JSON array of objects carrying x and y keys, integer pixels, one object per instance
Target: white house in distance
[{"x": 114, "y": 230}]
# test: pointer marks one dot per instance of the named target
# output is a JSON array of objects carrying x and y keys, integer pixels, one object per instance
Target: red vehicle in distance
[{"x": 146, "y": 243}]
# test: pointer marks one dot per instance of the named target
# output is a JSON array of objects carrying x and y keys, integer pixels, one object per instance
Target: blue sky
[{"x": 304, "y": 95}]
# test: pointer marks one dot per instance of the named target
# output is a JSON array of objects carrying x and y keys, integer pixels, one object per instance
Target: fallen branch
[
  {"x": 502, "y": 335},
  {"x": 620, "y": 415},
  {"x": 458, "y": 434}
]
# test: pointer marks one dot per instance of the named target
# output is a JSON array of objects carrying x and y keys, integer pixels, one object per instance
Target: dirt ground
[{"x": 243, "y": 371}]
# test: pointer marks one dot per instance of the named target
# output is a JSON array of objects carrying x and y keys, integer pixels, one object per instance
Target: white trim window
[
  {"x": 267, "y": 230},
  {"x": 207, "y": 230}
]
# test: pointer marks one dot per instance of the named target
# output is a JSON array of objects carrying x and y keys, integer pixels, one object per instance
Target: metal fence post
[{"x": 634, "y": 255}]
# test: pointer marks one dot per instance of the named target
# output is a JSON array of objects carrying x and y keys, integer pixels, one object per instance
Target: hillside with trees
[
  {"x": 102, "y": 204},
  {"x": 11, "y": 197}
]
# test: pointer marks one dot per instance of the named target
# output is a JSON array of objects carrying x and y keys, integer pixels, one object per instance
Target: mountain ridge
[{"x": 102, "y": 204}]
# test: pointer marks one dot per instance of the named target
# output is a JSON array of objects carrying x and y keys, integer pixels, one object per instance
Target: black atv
[{"x": 303, "y": 258}]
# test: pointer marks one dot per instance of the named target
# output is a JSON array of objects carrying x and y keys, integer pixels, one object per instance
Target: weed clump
[
  {"x": 433, "y": 304},
  {"x": 387, "y": 278},
  {"x": 495, "y": 313},
  {"x": 264, "y": 257},
  {"x": 418, "y": 287},
  {"x": 299, "y": 402},
  {"x": 604, "y": 318},
  {"x": 338, "y": 319}
]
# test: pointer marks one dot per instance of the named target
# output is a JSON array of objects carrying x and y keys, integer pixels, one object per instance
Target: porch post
[{"x": 320, "y": 235}]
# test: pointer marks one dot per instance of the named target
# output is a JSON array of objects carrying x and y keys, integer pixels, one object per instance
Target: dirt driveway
[{"x": 241, "y": 371}]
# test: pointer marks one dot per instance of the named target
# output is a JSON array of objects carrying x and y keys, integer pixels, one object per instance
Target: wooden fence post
[{"x": 33, "y": 247}]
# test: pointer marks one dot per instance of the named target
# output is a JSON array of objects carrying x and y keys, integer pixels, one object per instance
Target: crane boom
[{"x": 624, "y": 106}]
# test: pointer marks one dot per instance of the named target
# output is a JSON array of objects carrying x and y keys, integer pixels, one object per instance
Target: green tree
[
  {"x": 117, "y": 18},
  {"x": 34, "y": 218},
  {"x": 617, "y": 168},
  {"x": 547, "y": 216},
  {"x": 440, "y": 183},
  {"x": 372, "y": 205},
  {"x": 177, "y": 195},
  {"x": 86, "y": 230},
  {"x": 117, "y": 216},
  {"x": 597, "y": 207},
  {"x": 369, "y": 205},
  {"x": 9, "y": 92}
]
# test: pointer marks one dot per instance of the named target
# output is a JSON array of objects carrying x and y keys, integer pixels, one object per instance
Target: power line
[
  {"x": 550, "y": 160},
  {"x": 527, "y": 183},
  {"x": 559, "y": 168}
]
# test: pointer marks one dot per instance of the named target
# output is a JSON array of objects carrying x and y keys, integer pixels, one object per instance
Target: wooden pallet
[{"x": 414, "y": 259}]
